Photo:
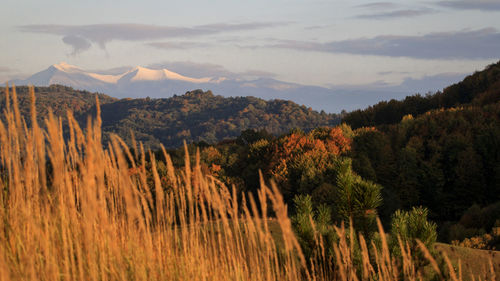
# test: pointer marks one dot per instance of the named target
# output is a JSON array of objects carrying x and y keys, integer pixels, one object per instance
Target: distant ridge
[
  {"x": 141, "y": 82},
  {"x": 196, "y": 116},
  {"x": 65, "y": 73}
]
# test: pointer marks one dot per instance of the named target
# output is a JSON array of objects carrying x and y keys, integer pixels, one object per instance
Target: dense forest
[
  {"x": 446, "y": 159},
  {"x": 199, "y": 116},
  {"x": 196, "y": 116},
  {"x": 58, "y": 99},
  {"x": 480, "y": 88},
  {"x": 444, "y": 152}
]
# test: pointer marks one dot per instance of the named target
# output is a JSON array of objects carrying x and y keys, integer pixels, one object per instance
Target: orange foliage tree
[{"x": 299, "y": 161}]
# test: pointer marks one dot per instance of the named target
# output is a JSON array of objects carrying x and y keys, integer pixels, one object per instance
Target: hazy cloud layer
[
  {"x": 396, "y": 14},
  {"x": 409, "y": 86},
  {"x": 470, "y": 44},
  {"x": 389, "y": 10},
  {"x": 392, "y": 72},
  {"x": 483, "y": 5},
  {"x": 378, "y": 5},
  {"x": 4, "y": 69},
  {"x": 314, "y": 27},
  {"x": 431, "y": 83},
  {"x": 199, "y": 70},
  {"x": 80, "y": 37},
  {"x": 178, "y": 45},
  {"x": 9, "y": 74}
]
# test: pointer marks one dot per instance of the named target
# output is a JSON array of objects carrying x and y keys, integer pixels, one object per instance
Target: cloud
[
  {"x": 431, "y": 83},
  {"x": 79, "y": 44},
  {"x": 373, "y": 92},
  {"x": 378, "y": 5},
  {"x": 193, "y": 69},
  {"x": 392, "y": 72},
  {"x": 235, "y": 39},
  {"x": 257, "y": 74},
  {"x": 409, "y": 85},
  {"x": 4, "y": 69},
  {"x": 482, "y": 5},
  {"x": 314, "y": 27},
  {"x": 389, "y": 10},
  {"x": 468, "y": 44},
  {"x": 9, "y": 74},
  {"x": 178, "y": 45},
  {"x": 80, "y": 36},
  {"x": 112, "y": 71},
  {"x": 397, "y": 14}
]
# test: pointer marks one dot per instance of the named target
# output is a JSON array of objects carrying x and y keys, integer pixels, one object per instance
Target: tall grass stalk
[{"x": 71, "y": 209}]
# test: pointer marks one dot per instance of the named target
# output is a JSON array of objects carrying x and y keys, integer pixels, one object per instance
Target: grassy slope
[{"x": 472, "y": 260}]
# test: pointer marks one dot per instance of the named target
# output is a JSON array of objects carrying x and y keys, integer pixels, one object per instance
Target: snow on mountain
[
  {"x": 63, "y": 73},
  {"x": 68, "y": 68},
  {"x": 140, "y": 82},
  {"x": 146, "y": 74},
  {"x": 111, "y": 79}
]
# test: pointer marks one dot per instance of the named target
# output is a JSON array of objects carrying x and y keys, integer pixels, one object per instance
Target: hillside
[
  {"x": 441, "y": 151},
  {"x": 202, "y": 116},
  {"x": 473, "y": 261},
  {"x": 196, "y": 116},
  {"x": 480, "y": 88},
  {"x": 56, "y": 97},
  {"x": 446, "y": 160}
]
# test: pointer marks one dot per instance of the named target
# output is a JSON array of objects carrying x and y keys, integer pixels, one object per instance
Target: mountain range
[{"x": 141, "y": 82}]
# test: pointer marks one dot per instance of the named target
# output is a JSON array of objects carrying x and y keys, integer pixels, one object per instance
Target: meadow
[{"x": 73, "y": 209}]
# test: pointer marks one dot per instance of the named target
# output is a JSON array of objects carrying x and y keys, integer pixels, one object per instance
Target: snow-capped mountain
[
  {"x": 145, "y": 74},
  {"x": 64, "y": 74},
  {"x": 74, "y": 76},
  {"x": 140, "y": 82}
]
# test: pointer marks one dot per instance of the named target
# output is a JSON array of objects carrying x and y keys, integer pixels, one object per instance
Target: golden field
[{"x": 72, "y": 209}]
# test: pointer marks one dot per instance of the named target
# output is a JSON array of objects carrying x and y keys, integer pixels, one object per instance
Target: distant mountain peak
[
  {"x": 147, "y": 74},
  {"x": 158, "y": 82},
  {"x": 71, "y": 75},
  {"x": 65, "y": 67}
]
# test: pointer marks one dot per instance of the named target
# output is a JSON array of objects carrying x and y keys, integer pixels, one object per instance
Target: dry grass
[
  {"x": 474, "y": 262},
  {"x": 73, "y": 210}
]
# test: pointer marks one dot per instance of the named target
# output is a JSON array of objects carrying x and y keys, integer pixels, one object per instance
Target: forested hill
[
  {"x": 56, "y": 97},
  {"x": 195, "y": 116},
  {"x": 202, "y": 116},
  {"x": 441, "y": 151},
  {"x": 479, "y": 88}
]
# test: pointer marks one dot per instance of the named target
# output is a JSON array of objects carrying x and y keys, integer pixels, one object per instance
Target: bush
[
  {"x": 310, "y": 224},
  {"x": 412, "y": 225}
]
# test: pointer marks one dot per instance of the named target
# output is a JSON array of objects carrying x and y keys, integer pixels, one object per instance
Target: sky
[{"x": 328, "y": 43}]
